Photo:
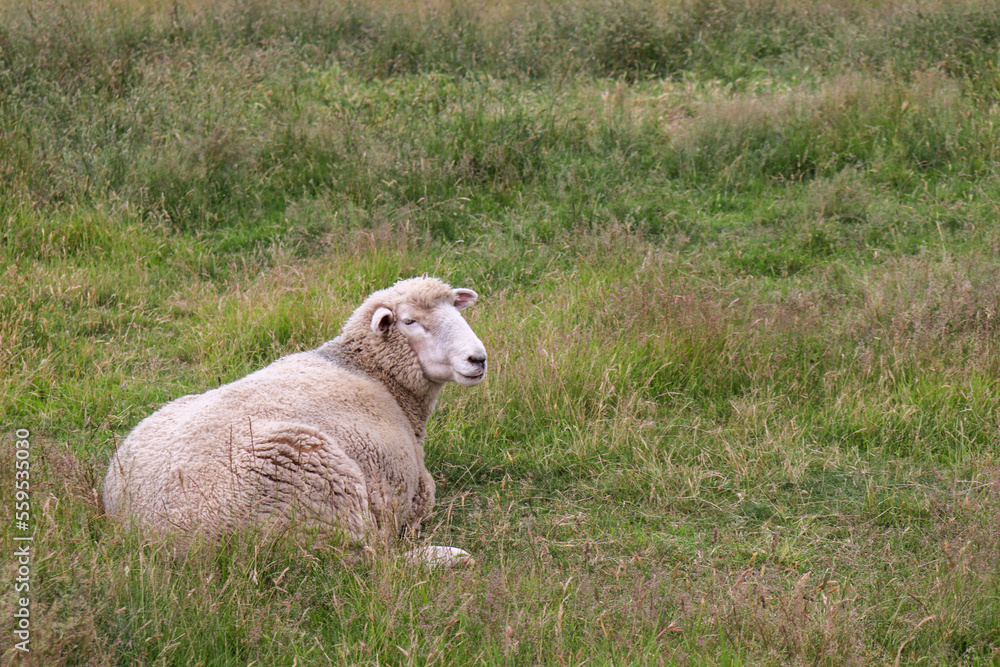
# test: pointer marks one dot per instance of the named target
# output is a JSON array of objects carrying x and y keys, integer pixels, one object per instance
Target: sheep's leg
[{"x": 436, "y": 556}]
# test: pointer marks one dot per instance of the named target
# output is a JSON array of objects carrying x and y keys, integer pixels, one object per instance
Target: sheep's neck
[
  {"x": 416, "y": 405},
  {"x": 417, "y": 410}
]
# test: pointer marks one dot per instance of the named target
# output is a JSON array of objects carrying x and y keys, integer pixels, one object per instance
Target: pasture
[{"x": 739, "y": 285}]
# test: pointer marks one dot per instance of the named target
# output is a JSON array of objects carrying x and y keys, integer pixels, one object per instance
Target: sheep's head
[{"x": 426, "y": 314}]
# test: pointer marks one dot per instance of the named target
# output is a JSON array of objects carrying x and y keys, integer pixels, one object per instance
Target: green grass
[{"x": 739, "y": 277}]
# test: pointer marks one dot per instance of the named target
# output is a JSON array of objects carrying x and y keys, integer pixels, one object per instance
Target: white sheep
[{"x": 330, "y": 438}]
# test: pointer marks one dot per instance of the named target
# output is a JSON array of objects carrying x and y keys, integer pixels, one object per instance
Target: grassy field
[{"x": 738, "y": 267}]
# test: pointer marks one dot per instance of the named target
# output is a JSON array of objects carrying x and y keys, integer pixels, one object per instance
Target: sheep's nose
[{"x": 478, "y": 361}]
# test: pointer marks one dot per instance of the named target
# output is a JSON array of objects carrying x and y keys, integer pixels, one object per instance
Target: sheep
[{"x": 331, "y": 438}]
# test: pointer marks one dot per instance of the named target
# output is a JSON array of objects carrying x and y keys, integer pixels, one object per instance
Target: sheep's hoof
[{"x": 441, "y": 557}]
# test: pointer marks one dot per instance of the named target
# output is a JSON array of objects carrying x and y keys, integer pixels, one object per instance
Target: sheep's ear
[
  {"x": 464, "y": 298},
  {"x": 382, "y": 319}
]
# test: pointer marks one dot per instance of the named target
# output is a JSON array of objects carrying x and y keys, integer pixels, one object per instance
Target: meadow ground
[{"x": 738, "y": 267}]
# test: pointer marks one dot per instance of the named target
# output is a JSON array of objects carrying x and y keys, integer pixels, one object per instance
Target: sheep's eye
[{"x": 409, "y": 320}]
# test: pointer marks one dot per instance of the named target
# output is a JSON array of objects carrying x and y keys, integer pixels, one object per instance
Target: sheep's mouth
[{"x": 476, "y": 377}]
